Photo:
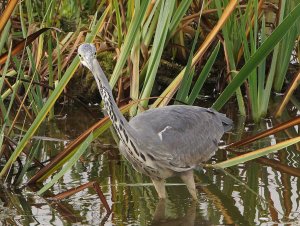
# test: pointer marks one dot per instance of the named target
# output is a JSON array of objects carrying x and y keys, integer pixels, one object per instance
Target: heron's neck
[{"x": 125, "y": 132}]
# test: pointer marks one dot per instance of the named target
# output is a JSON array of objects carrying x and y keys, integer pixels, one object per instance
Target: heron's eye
[{"x": 79, "y": 55}]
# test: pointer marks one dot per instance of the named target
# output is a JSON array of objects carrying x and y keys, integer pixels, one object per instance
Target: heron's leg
[
  {"x": 160, "y": 188},
  {"x": 159, "y": 214},
  {"x": 188, "y": 178}
]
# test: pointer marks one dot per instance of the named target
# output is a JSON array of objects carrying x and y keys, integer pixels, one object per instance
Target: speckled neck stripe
[
  {"x": 119, "y": 126},
  {"x": 136, "y": 157}
]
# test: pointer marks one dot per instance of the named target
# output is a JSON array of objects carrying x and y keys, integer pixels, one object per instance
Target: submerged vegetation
[{"x": 248, "y": 50}]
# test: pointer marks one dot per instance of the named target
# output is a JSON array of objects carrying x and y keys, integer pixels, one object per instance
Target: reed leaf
[
  {"x": 261, "y": 70},
  {"x": 135, "y": 77},
  {"x": 119, "y": 21},
  {"x": 184, "y": 89},
  {"x": 261, "y": 53},
  {"x": 271, "y": 75},
  {"x": 203, "y": 75},
  {"x": 128, "y": 42},
  {"x": 71, "y": 162},
  {"x": 286, "y": 47},
  {"x": 268, "y": 132},
  {"x": 229, "y": 45},
  {"x": 4, "y": 35},
  {"x": 22, "y": 44},
  {"x": 97, "y": 129},
  {"x": 149, "y": 29},
  {"x": 166, "y": 10},
  {"x": 51, "y": 74},
  {"x": 178, "y": 15},
  {"x": 35, "y": 150},
  {"x": 52, "y": 99},
  {"x": 256, "y": 154},
  {"x": 172, "y": 88},
  {"x": 6, "y": 121},
  {"x": 149, "y": 26}
]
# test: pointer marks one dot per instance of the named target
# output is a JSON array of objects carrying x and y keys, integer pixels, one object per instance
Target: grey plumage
[
  {"x": 181, "y": 129},
  {"x": 162, "y": 142}
]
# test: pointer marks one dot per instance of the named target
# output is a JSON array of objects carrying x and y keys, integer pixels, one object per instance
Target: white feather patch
[{"x": 164, "y": 130}]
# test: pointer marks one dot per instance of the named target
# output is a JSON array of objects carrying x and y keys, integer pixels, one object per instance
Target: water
[{"x": 261, "y": 192}]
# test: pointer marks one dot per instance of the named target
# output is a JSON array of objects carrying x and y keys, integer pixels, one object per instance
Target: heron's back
[{"x": 182, "y": 136}]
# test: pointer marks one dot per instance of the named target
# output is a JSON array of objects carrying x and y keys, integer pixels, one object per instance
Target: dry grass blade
[
  {"x": 276, "y": 165},
  {"x": 128, "y": 42},
  {"x": 65, "y": 44},
  {"x": 265, "y": 133},
  {"x": 52, "y": 99},
  {"x": 256, "y": 58},
  {"x": 211, "y": 36},
  {"x": 68, "y": 150},
  {"x": 58, "y": 160},
  {"x": 256, "y": 154},
  {"x": 22, "y": 44},
  {"x": 7, "y": 13},
  {"x": 171, "y": 89},
  {"x": 260, "y": 9},
  {"x": 67, "y": 167},
  {"x": 67, "y": 212},
  {"x": 73, "y": 49},
  {"x": 92, "y": 184},
  {"x": 280, "y": 167},
  {"x": 289, "y": 92}
]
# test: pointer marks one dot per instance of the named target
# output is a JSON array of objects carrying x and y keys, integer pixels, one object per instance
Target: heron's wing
[{"x": 182, "y": 136}]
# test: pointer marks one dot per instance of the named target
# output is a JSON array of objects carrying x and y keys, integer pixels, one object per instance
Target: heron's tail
[{"x": 227, "y": 122}]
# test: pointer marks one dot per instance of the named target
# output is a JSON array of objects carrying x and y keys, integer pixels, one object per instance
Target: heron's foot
[
  {"x": 160, "y": 188},
  {"x": 188, "y": 178}
]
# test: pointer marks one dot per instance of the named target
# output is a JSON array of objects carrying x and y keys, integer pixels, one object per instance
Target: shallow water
[{"x": 261, "y": 192}]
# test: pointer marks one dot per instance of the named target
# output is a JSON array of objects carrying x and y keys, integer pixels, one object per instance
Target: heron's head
[{"x": 87, "y": 53}]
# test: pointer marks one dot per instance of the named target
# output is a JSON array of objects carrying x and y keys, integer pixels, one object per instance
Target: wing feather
[{"x": 180, "y": 136}]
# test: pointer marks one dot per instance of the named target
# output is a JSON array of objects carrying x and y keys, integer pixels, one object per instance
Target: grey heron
[{"x": 162, "y": 142}]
